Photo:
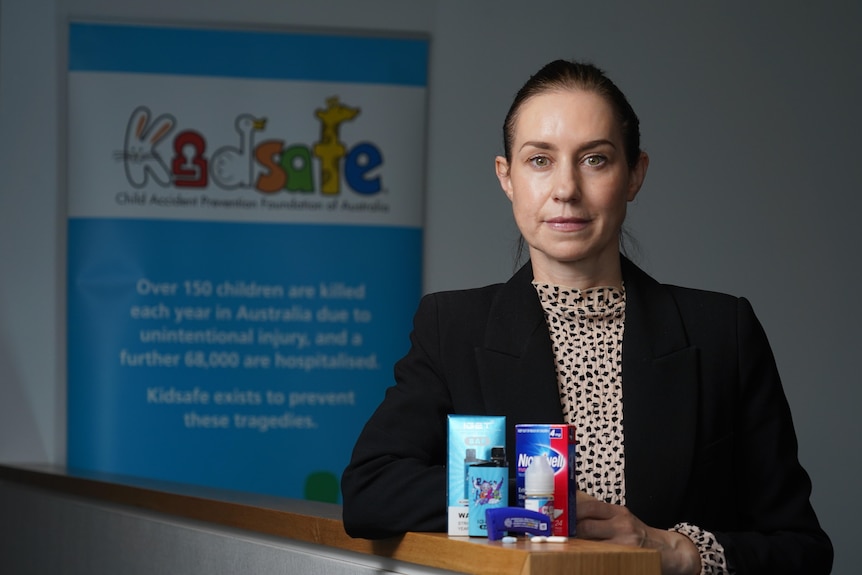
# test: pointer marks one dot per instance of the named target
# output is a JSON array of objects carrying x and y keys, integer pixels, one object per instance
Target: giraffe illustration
[{"x": 329, "y": 149}]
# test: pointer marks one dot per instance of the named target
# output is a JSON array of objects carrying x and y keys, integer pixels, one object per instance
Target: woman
[{"x": 685, "y": 439}]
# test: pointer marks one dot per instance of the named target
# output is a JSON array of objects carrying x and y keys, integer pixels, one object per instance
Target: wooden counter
[{"x": 320, "y": 524}]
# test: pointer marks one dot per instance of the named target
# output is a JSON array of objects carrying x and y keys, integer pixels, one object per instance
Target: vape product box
[
  {"x": 558, "y": 443},
  {"x": 487, "y": 488},
  {"x": 471, "y": 438}
]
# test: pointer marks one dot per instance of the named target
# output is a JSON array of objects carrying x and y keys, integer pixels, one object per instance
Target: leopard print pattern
[
  {"x": 712, "y": 559},
  {"x": 586, "y": 330}
]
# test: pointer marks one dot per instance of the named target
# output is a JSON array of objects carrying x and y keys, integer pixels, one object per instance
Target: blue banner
[{"x": 244, "y": 252}]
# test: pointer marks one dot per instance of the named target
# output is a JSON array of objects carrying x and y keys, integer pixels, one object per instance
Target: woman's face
[{"x": 569, "y": 183}]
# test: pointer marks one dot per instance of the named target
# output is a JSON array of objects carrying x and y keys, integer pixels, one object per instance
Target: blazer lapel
[
  {"x": 660, "y": 395},
  {"x": 516, "y": 364}
]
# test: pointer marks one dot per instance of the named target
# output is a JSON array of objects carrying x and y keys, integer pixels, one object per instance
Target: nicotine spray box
[
  {"x": 558, "y": 442},
  {"x": 471, "y": 438}
]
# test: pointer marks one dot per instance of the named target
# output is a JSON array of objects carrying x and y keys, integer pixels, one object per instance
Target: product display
[
  {"x": 556, "y": 443},
  {"x": 502, "y": 520},
  {"x": 488, "y": 487},
  {"x": 471, "y": 439},
  {"x": 539, "y": 486}
]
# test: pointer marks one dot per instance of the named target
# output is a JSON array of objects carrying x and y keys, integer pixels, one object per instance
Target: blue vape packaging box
[
  {"x": 488, "y": 487},
  {"x": 470, "y": 438}
]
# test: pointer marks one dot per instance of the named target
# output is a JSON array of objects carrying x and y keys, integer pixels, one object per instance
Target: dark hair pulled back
[{"x": 570, "y": 75}]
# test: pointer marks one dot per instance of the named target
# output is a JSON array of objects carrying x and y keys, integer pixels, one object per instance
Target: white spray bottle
[{"x": 539, "y": 486}]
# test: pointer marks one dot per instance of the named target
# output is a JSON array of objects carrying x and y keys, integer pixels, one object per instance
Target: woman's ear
[
  {"x": 637, "y": 176},
  {"x": 502, "y": 168}
]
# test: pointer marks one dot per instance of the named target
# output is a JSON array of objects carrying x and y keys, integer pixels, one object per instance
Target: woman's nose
[{"x": 567, "y": 187}]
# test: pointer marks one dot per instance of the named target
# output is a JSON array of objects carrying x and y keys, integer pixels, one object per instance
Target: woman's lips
[{"x": 567, "y": 224}]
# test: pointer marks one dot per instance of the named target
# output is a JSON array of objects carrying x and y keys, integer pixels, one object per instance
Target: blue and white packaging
[
  {"x": 487, "y": 487},
  {"x": 470, "y": 439},
  {"x": 557, "y": 442}
]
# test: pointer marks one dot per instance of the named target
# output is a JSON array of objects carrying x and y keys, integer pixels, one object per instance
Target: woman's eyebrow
[
  {"x": 537, "y": 144},
  {"x": 585, "y": 146},
  {"x": 596, "y": 144}
]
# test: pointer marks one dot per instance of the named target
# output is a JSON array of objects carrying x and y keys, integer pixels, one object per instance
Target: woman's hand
[{"x": 600, "y": 521}]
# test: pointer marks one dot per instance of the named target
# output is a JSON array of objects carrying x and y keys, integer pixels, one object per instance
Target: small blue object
[{"x": 501, "y": 520}]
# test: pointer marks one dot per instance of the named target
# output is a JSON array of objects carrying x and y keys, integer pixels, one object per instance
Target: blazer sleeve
[
  {"x": 778, "y": 529},
  {"x": 395, "y": 481}
]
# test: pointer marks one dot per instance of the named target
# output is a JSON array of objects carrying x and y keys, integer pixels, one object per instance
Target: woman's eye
[
  {"x": 594, "y": 160},
  {"x": 540, "y": 161}
]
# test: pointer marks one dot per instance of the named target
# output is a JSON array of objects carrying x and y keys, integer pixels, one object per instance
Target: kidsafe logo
[{"x": 249, "y": 162}]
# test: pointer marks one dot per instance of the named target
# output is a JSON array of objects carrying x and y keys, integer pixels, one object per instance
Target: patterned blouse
[{"x": 586, "y": 328}]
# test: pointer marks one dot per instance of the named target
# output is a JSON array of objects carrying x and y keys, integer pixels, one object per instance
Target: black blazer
[{"x": 708, "y": 433}]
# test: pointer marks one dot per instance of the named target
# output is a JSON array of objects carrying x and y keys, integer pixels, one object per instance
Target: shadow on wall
[{"x": 20, "y": 438}]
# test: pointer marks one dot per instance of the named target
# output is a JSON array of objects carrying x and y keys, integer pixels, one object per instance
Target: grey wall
[{"x": 750, "y": 114}]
